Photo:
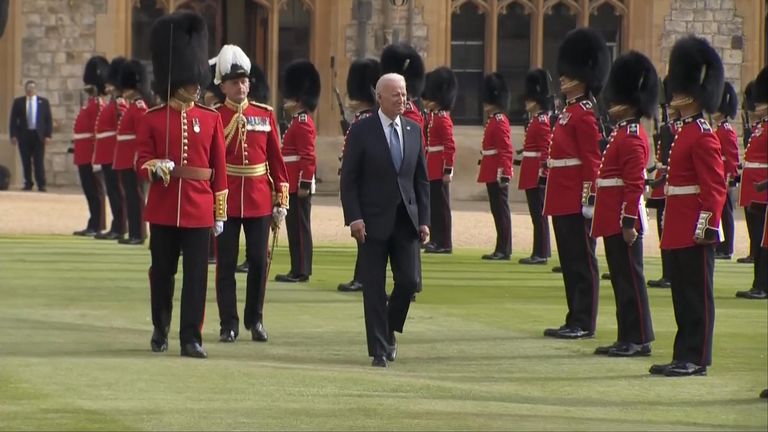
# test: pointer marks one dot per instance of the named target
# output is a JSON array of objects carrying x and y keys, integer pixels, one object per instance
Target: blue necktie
[
  {"x": 394, "y": 147},
  {"x": 30, "y": 113}
]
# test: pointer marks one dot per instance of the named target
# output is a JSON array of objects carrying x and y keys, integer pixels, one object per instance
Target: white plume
[{"x": 228, "y": 56}]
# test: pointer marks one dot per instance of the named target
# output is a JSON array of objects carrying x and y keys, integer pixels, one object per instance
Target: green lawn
[{"x": 74, "y": 353}]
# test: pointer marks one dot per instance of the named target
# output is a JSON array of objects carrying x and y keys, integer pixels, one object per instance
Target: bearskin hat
[
  {"x": 133, "y": 75},
  {"x": 113, "y": 76},
  {"x": 584, "y": 57},
  {"x": 761, "y": 87},
  {"x": 495, "y": 90},
  {"x": 729, "y": 104},
  {"x": 403, "y": 59},
  {"x": 231, "y": 63},
  {"x": 361, "y": 80},
  {"x": 748, "y": 104},
  {"x": 538, "y": 88},
  {"x": 95, "y": 73},
  {"x": 259, "y": 91},
  {"x": 695, "y": 70},
  {"x": 179, "y": 45},
  {"x": 441, "y": 87},
  {"x": 301, "y": 82},
  {"x": 633, "y": 81}
]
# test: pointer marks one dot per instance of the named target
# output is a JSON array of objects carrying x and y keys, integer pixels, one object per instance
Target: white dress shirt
[{"x": 385, "y": 122}]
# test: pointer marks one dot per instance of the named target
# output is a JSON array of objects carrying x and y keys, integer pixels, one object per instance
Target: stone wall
[
  {"x": 714, "y": 20},
  {"x": 384, "y": 24},
  {"x": 60, "y": 36}
]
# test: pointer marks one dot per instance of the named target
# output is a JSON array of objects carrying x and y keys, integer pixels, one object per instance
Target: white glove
[
  {"x": 588, "y": 211},
  {"x": 278, "y": 215},
  {"x": 218, "y": 228}
]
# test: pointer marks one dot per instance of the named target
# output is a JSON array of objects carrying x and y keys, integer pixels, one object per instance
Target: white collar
[{"x": 387, "y": 121}]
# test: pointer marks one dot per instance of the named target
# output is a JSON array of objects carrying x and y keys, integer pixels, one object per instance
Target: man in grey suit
[
  {"x": 385, "y": 196},
  {"x": 31, "y": 127}
]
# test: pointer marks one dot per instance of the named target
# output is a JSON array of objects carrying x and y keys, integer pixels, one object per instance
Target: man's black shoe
[
  {"x": 258, "y": 333},
  {"x": 533, "y": 259},
  {"x": 660, "y": 369},
  {"x": 659, "y": 283},
  {"x": 159, "y": 341},
  {"x": 85, "y": 233},
  {"x": 42, "y": 189},
  {"x": 242, "y": 268},
  {"x": 352, "y": 286},
  {"x": 108, "y": 235},
  {"x": 194, "y": 350},
  {"x": 131, "y": 241},
  {"x": 27, "y": 188},
  {"x": 438, "y": 250},
  {"x": 722, "y": 256},
  {"x": 679, "y": 369},
  {"x": 603, "y": 350},
  {"x": 605, "y": 276},
  {"x": 552, "y": 332},
  {"x": 392, "y": 351},
  {"x": 753, "y": 294},
  {"x": 291, "y": 278},
  {"x": 557, "y": 269},
  {"x": 227, "y": 336},
  {"x": 746, "y": 260},
  {"x": 630, "y": 350},
  {"x": 574, "y": 333},
  {"x": 496, "y": 256},
  {"x": 764, "y": 394},
  {"x": 379, "y": 361}
]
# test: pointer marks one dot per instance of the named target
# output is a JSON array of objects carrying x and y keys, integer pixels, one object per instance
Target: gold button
[
  {"x": 185, "y": 148},
  {"x": 183, "y": 162},
  {"x": 184, "y": 155},
  {"x": 246, "y": 161}
]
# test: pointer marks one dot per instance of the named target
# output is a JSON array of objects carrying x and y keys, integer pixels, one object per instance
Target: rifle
[
  {"x": 746, "y": 126},
  {"x": 344, "y": 123}
]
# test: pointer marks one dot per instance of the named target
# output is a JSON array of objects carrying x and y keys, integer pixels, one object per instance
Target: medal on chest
[{"x": 196, "y": 125}]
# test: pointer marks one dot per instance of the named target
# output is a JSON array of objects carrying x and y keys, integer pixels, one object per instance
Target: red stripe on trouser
[
  {"x": 592, "y": 282},
  {"x": 706, "y": 311},
  {"x": 633, "y": 275},
  {"x": 300, "y": 224}
]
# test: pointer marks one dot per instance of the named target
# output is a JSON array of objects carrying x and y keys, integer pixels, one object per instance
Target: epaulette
[
  {"x": 585, "y": 104},
  {"x": 543, "y": 118},
  {"x": 155, "y": 108},
  {"x": 704, "y": 125},
  {"x": 499, "y": 116},
  {"x": 261, "y": 105},
  {"x": 140, "y": 103},
  {"x": 205, "y": 107},
  {"x": 633, "y": 129},
  {"x": 727, "y": 126},
  {"x": 303, "y": 117},
  {"x": 442, "y": 113}
]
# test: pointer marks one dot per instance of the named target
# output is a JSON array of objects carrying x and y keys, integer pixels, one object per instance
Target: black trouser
[
  {"x": 725, "y": 247},
  {"x": 134, "y": 203},
  {"x": 256, "y": 247},
  {"x": 32, "y": 152},
  {"x": 692, "y": 271},
  {"x": 383, "y": 317},
  {"x": 498, "y": 198},
  {"x": 754, "y": 235},
  {"x": 299, "y": 230},
  {"x": 166, "y": 243},
  {"x": 760, "y": 281},
  {"x": 660, "y": 229},
  {"x": 115, "y": 195},
  {"x": 440, "y": 211},
  {"x": 94, "y": 195},
  {"x": 535, "y": 198},
  {"x": 633, "y": 314},
  {"x": 576, "y": 250}
]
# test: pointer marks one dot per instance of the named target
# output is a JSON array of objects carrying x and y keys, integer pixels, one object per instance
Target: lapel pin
[{"x": 196, "y": 125}]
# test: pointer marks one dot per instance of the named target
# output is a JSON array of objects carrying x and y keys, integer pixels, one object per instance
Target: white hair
[{"x": 387, "y": 78}]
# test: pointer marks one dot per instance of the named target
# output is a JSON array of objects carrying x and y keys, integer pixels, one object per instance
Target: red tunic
[
  {"x": 440, "y": 147},
  {"x": 252, "y": 168},
  {"x": 497, "y": 151},
  {"x": 695, "y": 163},
  {"x": 125, "y": 151},
  {"x": 755, "y": 166},
  {"x": 358, "y": 116},
  {"x": 412, "y": 112},
  {"x": 299, "y": 152},
  {"x": 658, "y": 191},
  {"x": 574, "y": 158},
  {"x": 184, "y": 202},
  {"x": 106, "y": 131},
  {"x": 621, "y": 181},
  {"x": 83, "y": 131},
  {"x": 538, "y": 138}
]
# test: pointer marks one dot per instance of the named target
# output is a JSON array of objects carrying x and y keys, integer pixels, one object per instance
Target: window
[
  {"x": 294, "y": 27},
  {"x": 513, "y": 54},
  {"x": 468, "y": 63},
  {"x": 557, "y": 23},
  {"x": 210, "y": 10},
  {"x": 607, "y": 21},
  {"x": 143, "y": 16}
]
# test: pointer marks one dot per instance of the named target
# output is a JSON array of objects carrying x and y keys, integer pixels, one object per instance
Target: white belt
[
  {"x": 557, "y": 163},
  {"x": 531, "y": 154},
  {"x": 291, "y": 158},
  {"x": 489, "y": 152},
  {"x": 755, "y": 165},
  {"x": 433, "y": 149},
  {"x": 101, "y": 135},
  {"x": 126, "y": 137},
  {"x": 681, "y": 190},
  {"x": 606, "y": 182},
  {"x": 82, "y": 136}
]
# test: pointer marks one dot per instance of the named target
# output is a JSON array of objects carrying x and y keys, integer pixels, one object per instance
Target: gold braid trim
[
  {"x": 236, "y": 125},
  {"x": 220, "y": 209}
]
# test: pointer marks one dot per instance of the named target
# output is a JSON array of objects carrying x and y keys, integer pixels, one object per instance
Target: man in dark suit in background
[
  {"x": 31, "y": 128},
  {"x": 385, "y": 196}
]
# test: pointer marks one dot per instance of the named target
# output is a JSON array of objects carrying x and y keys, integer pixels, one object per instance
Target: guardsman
[
  {"x": 752, "y": 197},
  {"x": 403, "y": 59},
  {"x": 439, "y": 96},
  {"x": 94, "y": 78},
  {"x": 631, "y": 93},
  {"x": 301, "y": 93},
  {"x": 181, "y": 152},
  {"x": 361, "y": 92},
  {"x": 695, "y": 195},
  {"x": 135, "y": 85},
  {"x": 729, "y": 147},
  {"x": 496, "y": 162},
  {"x": 574, "y": 158},
  {"x": 749, "y": 124},
  {"x": 104, "y": 149},
  {"x": 255, "y": 171},
  {"x": 533, "y": 167}
]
